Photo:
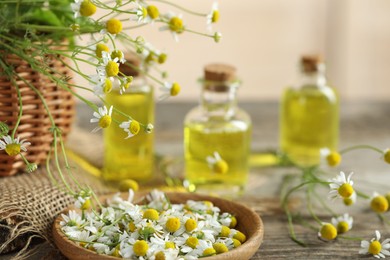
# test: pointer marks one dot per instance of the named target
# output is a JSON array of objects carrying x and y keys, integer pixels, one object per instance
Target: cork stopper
[
  {"x": 219, "y": 72},
  {"x": 310, "y": 63},
  {"x": 132, "y": 62}
]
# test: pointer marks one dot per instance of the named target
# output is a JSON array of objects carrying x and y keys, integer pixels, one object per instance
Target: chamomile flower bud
[
  {"x": 162, "y": 58},
  {"x": 379, "y": 203},
  {"x": 217, "y": 37},
  {"x": 327, "y": 231},
  {"x": 31, "y": 167},
  {"x": 75, "y": 27},
  {"x": 114, "y": 26},
  {"x": 149, "y": 128}
]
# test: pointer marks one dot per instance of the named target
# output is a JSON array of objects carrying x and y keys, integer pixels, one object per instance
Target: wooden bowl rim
[{"x": 245, "y": 251}]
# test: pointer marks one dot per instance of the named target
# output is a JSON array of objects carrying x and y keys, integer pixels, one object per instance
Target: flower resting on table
[
  {"x": 343, "y": 223},
  {"x": 375, "y": 247}
]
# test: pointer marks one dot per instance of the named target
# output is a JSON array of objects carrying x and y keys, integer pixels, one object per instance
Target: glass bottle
[
  {"x": 217, "y": 136},
  {"x": 131, "y": 158},
  {"x": 309, "y": 115}
]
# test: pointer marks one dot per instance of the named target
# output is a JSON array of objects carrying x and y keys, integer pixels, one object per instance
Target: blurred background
[{"x": 264, "y": 40}]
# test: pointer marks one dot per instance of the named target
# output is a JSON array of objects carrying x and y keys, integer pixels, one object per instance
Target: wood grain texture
[{"x": 249, "y": 223}]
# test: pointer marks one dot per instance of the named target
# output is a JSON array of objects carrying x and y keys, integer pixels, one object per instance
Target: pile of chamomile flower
[{"x": 156, "y": 229}]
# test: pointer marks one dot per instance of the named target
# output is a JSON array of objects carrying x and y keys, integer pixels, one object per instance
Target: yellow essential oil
[
  {"x": 231, "y": 141},
  {"x": 217, "y": 125},
  {"x": 131, "y": 158},
  {"x": 309, "y": 120}
]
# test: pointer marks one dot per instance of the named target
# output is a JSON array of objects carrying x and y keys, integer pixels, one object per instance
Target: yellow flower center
[
  {"x": 328, "y": 231},
  {"x": 112, "y": 68},
  {"x": 116, "y": 252},
  {"x": 345, "y": 190},
  {"x": 209, "y": 251},
  {"x": 342, "y": 227},
  {"x": 114, "y": 26},
  {"x": 208, "y": 203},
  {"x": 233, "y": 223},
  {"x": 127, "y": 184},
  {"x": 169, "y": 244},
  {"x": 140, "y": 247},
  {"x": 162, "y": 58},
  {"x": 192, "y": 242},
  {"x": 144, "y": 12},
  {"x": 221, "y": 167},
  {"x": 159, "y": 255},
  {"x": 225, "y": 231},
  {"x": 240, "y": 237},
  {"x": 379, "y": 204},
  {"x": 236, "y": 242},
  {"x": 387, "y": 156},
  {"x": 190, "y": 225},
  {"x": 173, "y": 224},
  {"x": 87, "y": 8},
  {"x": 176, "y": 24},
  {"x": 134, "y": 127},
  {"x": 107, "y": 86},
  {"x": 151, "y": 214},
  {"x": 375, "y": 247},
  {"x": 100, "y": 47},
  {"x": 215, "y": 16},
  {"x": 132, "y": 226},
  {"x": 153, "y": 12},
  {"x": 175, "y": 89},
  {"x": 220, "y": 248},
  {"x": 12, "y": 149},
  {"x": 105, "y": 121},
  {"x": 333, "y": 159},
  {"x": 86, "y": 205}
]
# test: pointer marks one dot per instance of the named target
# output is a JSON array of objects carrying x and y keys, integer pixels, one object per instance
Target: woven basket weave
[{"x": 35, "y": 124}]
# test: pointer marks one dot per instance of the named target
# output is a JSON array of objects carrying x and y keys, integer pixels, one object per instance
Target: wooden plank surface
[{"x": 366, "y": 123}]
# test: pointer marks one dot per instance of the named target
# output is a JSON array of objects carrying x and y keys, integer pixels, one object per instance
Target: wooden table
[{"x": 361, "y": 123}]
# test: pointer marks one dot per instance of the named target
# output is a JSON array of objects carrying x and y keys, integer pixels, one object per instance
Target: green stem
[{"x": 363, "y": 146}]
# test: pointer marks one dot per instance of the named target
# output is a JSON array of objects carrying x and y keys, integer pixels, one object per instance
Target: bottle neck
[
  {"x": 219, "y": 99},
  {"x": 314, "y": 78}
]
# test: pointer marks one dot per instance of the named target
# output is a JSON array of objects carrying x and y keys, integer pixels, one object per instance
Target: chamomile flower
[
  {"x": 213, "y": 16},
  {"x": 109, "y": 67},
  {"x": 131, "y": 127},
  {"x": 217, "y": 164},
  {"x": 343, "y": 223},
  {"x": 379, "y": 203},
  {"x": 174, "y": 24},
  {"x": 341, "y": 186},
  {"x": 141, "y": 13},
  {"x": 83, "y": 203},
  {"x": 72, "y": 219},
  {"x": 102, "y": 117},
  {"x": 100, "y": 48},
  {"x": 118, "y": 54},
  {"x": 83, "y": 8},
  {"x": 102, "y": 85},
  {"x": 153, "y": 12},
  {"x": 113, "y": 26},
  {"x": 332, "y": 158},
  {"x": 169, "y": 90},
  {"x": 13, "y": 146},
  {"x": 375, "y": 247},
  {"x": 327, "y": 231}
]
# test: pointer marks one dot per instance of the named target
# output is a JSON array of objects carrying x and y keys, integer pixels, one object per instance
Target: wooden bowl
[{"x": 249, "y": 223}]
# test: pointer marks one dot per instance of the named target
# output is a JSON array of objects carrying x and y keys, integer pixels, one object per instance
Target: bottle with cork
[
  {"x": 217, "y": 136},
  {"x": 130, "y": 158},
  {"x": 309, "y": 115}
]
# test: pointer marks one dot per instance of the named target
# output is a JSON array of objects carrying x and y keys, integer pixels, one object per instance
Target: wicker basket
[{"x": 34, "y": 125}]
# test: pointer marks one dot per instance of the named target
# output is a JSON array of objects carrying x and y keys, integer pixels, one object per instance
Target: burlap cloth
[{"x": 30, "y": 202}]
